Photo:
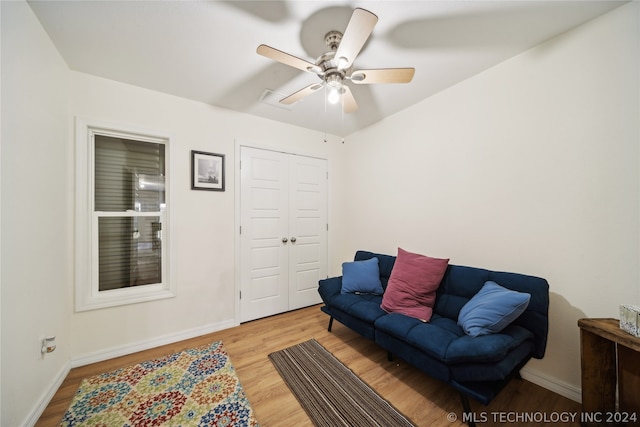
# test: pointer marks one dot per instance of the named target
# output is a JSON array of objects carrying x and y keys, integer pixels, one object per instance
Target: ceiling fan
[{"x": 336, "y": 66}]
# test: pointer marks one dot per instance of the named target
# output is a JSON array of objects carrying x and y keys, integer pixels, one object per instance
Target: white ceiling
[{"x": 206, "y": 50}]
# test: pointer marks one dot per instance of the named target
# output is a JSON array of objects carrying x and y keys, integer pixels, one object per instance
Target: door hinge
[
  {"x": 240, "y": 294},
  {"x": 240, "y": 229},
  {"x": 327, "y": 226}
]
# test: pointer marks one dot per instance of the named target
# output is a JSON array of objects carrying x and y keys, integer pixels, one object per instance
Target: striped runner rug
[{"x": 330, "y": 393}]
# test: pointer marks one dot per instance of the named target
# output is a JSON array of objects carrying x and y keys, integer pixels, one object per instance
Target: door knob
[
  {"x": 284, "y": 240},
  {"x": 293, "y": 240}
]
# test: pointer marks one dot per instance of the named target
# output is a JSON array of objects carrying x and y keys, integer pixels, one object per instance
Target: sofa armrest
[{"x": 329, "y": 288}]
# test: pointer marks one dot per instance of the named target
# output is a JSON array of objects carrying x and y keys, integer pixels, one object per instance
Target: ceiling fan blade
[
  {"x": 297, "y": 96},
  {"x": 358, "y": 31},
  {"x": 383, "y": 75},
  {"x": 285, "y": 58},
  {"x": 348, "y": 101}
]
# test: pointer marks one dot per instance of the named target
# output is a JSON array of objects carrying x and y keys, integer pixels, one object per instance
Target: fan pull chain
[
  {"x": 342, "y": 117},
  {"x": 325, "y": 114}
]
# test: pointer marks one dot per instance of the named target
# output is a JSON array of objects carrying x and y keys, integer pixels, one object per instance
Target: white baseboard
[
  {"x": 110, "y": 353},
  {"x": 560, "y": 387},
  {"x": 37, "y": 411}
]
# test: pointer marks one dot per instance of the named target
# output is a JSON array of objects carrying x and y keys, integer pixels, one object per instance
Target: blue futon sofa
[{"x": 477, "y": 365}]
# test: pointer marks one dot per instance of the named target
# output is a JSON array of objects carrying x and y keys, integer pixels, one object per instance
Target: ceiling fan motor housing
[{"x": 329, "y": 66}]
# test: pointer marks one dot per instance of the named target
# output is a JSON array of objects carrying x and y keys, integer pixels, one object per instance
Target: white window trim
[{"x": 87, "y": 296}]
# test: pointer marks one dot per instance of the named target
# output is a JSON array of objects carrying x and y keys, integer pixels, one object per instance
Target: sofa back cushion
[{"x": 385, "y": 264}]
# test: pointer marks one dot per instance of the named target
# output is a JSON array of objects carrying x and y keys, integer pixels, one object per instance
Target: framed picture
[{"x": 207, "y": 171}]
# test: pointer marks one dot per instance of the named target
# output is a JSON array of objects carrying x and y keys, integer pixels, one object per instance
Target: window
[{"x": 123, "y": 230}]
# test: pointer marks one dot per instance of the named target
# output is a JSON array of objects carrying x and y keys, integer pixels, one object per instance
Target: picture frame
[{"x": 207, "y": 171}]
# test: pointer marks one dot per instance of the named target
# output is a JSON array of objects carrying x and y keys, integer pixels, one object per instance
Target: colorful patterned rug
[{"x": 195, "y": 387}]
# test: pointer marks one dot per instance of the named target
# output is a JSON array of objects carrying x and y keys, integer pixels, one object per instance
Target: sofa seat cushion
[
  {"x": 444, "y": 340},
  {"x": 494, "y": 371},
  {"x": 361, "y": 306}
]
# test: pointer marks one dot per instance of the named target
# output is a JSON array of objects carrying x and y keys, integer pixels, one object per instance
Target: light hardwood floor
[{"x": 427, "y": 402}]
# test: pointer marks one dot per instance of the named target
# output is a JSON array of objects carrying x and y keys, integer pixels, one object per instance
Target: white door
[
  {"x": 283, "y": 241},
  {"x": 307, "y": 228}
]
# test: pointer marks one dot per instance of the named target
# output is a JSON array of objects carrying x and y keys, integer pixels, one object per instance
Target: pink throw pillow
[{"x": 413, "y": 283}]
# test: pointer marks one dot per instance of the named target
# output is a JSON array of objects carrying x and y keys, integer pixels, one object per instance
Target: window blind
[
  {"x": 129, "y": 179},
  {"x": 129, "y": 175}
]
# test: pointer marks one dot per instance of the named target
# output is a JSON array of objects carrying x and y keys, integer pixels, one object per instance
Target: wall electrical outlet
[{"x": 48, "y": 344}]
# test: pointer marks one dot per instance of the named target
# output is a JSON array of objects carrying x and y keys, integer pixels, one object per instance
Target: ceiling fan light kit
[
  {"x": 334, "y": 87},
  {"x": 334, "y": 95},
  {"x": 336, "y": 65}
]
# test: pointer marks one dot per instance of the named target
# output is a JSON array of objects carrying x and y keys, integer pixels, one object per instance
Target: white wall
[
  {"x": 204, "y": 222},
  {"x": 530, "y": 167},
  {"x": 37, "y": 214},
  {"x": 40, "y": 99}
]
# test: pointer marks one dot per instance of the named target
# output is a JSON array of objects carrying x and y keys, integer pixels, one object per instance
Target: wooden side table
[{"x": 603, "y": 347}]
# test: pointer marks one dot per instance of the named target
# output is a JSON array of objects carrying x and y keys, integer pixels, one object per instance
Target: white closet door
[
  {"x": 283, "y": 241},
  {"x": 264, "y": 274},
  {"x": 308, "y": 229}
]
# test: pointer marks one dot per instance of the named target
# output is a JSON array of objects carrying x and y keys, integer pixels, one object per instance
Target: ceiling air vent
[{"x": 273, "y": 98}]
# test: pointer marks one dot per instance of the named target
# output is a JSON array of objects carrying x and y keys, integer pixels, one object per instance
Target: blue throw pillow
[
  {"x": 492, "y": 309},
  {"x": 361, "y": 277}
]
